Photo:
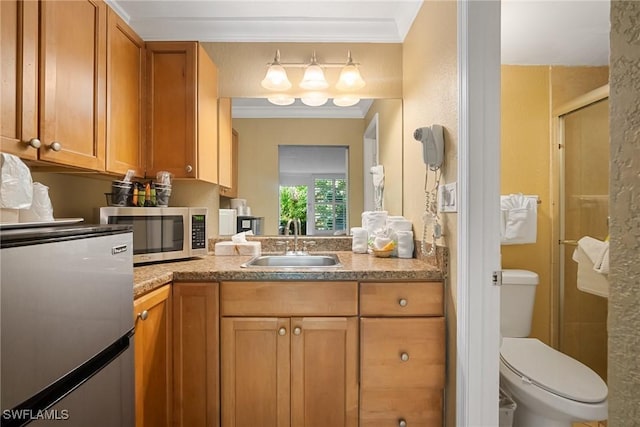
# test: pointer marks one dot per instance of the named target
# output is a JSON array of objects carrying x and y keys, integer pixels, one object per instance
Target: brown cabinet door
[
  {"x": 324, "y": 379},
  {"x": 225, "y": 141},
  {"x": 196, "y": 355},
  {"x": 255, "y": 372},
  {"x": 19, "y": 78},
  {"x": 233, "y": 191},
  {"x": 153, "y": 368},
  {"x": 73, "y": 82},
  {"x": 125, "y": 91},
  {"x": 171, "y": 112}
]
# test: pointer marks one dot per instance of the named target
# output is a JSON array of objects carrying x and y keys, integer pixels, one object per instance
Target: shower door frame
[{"x": 557, "y": 195}]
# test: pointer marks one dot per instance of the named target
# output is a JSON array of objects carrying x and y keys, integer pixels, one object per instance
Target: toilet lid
[{"x": 552, "y": 371}]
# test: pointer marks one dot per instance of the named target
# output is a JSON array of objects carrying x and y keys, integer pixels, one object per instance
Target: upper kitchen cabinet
[
  {"x": 126, "y": 61},
  {"x": 73, "y": 82},
  {"x": 182, "y": 133},
  {"x": 225, "y": 144},
  {"x": 231, "y": 191},
  {"x": 19, "y": 78}
]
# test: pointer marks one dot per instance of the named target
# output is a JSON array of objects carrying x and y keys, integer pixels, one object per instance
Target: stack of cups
[
  {"x": 163, "y": 191},
  {"x": 120, "y": 191},
  {"x": 163, "y": 188}
]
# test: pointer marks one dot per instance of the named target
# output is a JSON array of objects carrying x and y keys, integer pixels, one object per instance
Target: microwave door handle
[{"x": 52, "y": 394}]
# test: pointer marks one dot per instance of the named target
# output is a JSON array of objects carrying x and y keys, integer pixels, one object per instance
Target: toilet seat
[{"x": 555, "y": 372}]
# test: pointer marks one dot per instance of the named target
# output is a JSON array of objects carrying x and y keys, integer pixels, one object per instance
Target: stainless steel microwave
[{"x": 161, "y": 234}]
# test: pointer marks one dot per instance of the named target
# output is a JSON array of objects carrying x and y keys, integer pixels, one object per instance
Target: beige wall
[
  {"x": 525, "y": 168},
  {"x": 258, "y": 159},
  {"x": 389, "y": 150},
  {"x": 529, "y": 95},
  {"x": 430, "y": 95},
  {"x": 242, "y": 66},
  {"x": 624, "y": 190},
  {"x": 80, "y": 196}
]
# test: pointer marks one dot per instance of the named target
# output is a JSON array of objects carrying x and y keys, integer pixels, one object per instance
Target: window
[
  {"x": 293, "y": 204},
  {"x": 329, "y": 205}
]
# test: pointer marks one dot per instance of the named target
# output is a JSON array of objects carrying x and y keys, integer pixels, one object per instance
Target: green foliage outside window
[{"x": 293, "y": 204}]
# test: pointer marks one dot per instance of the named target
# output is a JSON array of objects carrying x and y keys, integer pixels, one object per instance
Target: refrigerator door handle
[{"x": 21, "y": 414}]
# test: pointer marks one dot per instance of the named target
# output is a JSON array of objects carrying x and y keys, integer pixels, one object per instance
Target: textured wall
[
  {"x": 624, "y": 300},
  {"x": 430, "y": 95}
]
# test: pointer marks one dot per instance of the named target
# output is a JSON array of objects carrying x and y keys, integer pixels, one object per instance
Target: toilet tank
[{"x": 517, "y": 295}]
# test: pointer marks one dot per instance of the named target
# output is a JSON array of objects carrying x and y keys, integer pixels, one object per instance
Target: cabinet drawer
[
  {"x": 401, "y": 299},
  {"x": 401, "y": 353},
  {"x": 289, "y": 298},
  {"x": 419, "y": 407}
]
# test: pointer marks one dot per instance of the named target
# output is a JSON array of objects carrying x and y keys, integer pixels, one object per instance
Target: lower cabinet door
[
  {"x": 255, "y": 372},
  {"x": 324, "y": 372},
  {"x": 282, "y": 372},
  {"x": 152, "y": 343},
  {"x": 196, "y": 359}
]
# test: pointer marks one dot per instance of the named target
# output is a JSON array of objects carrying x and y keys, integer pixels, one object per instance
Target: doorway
[{"x": 582, "y": 177}]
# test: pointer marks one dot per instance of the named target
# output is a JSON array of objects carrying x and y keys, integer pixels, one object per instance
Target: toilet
[{"x": 549, "y": 388}]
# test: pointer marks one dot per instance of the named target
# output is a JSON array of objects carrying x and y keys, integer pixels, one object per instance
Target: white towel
[
  {"x": 359, "y": 242},
  {"x": 374, "y": 221},
  {"x": 598, "y": 253},
  {"x": 405, "y": 244},
  {"x": 399, "y": 224},
  {"x": 588, "y": 279},
  {"x": 518, "y": 221}
]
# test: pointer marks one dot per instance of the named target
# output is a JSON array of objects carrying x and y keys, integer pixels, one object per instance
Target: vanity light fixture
[{"x": 314, "y": 81}]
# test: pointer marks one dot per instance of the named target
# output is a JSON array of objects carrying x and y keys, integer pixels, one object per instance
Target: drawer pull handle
[
  {"x": 188, "y": 168},
  {"x": 403, "y": 302},
  {"x": 402, "y": 423},
  {"x": 297, "y": 330},
  {"x": 144, "y": 315},
  {"x": 404, "y": 356},
  {"x": 55, "y": 146},
  {"x": 282, "y": 331}
]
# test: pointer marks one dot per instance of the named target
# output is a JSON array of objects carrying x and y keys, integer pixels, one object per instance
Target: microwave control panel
[{"x": 198, "y": 232}]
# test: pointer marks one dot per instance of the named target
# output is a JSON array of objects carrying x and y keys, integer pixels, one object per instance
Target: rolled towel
[
  {"x": 373, "y": 221},
  {"x": 359, "y": 242},
  {"x": 405, "y": 244},
  {"x": 399, "y": 224}
]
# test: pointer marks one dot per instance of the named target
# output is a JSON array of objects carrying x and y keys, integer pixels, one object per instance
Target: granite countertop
[{"x": 357, "y": 267}]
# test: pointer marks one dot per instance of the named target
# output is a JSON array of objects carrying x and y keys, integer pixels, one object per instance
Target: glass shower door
[{"x": 584, "y": 212}]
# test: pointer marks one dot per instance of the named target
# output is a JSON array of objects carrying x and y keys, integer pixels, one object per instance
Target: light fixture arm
[{"x": 314, "y": 61}]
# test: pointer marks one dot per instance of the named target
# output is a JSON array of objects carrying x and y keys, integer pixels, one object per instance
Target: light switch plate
[{"x": 448, "y": 197}]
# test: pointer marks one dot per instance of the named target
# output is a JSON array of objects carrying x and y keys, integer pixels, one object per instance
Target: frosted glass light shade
[
  {"x": 314, "y": 78},
  {"x": 281, "y": 99},
  {"x": 314, "y": 99},
  {"x": 346, "y": 100},
  {"x": 276, "y": 78},
  {"x": 350, "y": 78}
]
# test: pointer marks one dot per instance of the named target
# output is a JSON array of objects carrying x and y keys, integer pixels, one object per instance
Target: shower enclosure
[{"x": 583, "y": 179}]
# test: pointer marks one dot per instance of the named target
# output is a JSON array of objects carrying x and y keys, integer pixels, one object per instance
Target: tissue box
[
  {"x": 8, "y": 216},
  {"x": 233, "y": 248}
]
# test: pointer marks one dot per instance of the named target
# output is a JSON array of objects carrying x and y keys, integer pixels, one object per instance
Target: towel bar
[{"x": 568, "y": 242}]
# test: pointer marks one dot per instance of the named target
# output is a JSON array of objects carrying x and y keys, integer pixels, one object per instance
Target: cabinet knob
[
  {"x": 282, "y": 331},
  {"x": 55, "y": 146},
  {"x": 143, "y": 315},
  {"x": 34, "y": 143},
  {"x": 404, "y": 356},
  {"x": 402, "y": 423},
  {"x": 189, "y": 168},
  {"x": 297, "y": 330},
  {"x": 403, "y": 302}
]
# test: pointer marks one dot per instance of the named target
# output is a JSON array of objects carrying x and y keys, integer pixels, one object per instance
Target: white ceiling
[{"x": 557, "y": 32}]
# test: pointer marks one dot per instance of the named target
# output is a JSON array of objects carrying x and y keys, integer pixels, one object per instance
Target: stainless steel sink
[{"x": 294, "y": 261}]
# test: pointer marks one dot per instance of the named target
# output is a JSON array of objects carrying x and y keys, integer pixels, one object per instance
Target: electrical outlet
[{"x": 448, "y": 197}]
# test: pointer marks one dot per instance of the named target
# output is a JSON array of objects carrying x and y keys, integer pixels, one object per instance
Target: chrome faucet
[{"x": 296, "y": 232}]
